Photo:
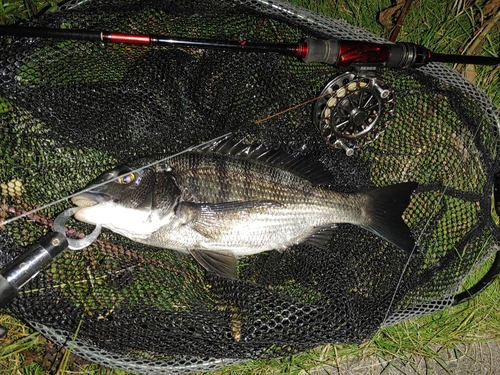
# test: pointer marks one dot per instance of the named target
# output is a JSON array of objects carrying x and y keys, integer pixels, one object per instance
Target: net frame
[{"x": 326, "y": 28}]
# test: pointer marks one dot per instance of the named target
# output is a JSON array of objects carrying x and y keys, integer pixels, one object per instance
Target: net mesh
[{"x": 70, "y": 110}]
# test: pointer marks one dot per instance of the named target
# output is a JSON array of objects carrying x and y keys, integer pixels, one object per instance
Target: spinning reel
[{"x": 353, "y": 110}]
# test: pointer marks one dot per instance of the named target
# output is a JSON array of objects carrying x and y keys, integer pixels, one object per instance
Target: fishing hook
[{"x": 75, "y": 244}]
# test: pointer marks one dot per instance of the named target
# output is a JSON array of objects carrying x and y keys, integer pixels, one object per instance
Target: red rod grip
[{"x": 354, "y": 52}]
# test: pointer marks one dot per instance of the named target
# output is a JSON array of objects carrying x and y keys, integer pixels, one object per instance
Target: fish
[{"x": 229, "y": 200}]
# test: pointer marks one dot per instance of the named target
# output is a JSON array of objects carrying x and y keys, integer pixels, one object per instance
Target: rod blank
[{"x": 340, "y": 53}]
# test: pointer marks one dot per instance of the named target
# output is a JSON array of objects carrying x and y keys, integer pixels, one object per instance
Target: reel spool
[{"x": 353, "y": 110}]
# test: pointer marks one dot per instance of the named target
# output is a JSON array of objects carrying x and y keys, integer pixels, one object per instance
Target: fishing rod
[
  {"x": 339, "y": 53},
  {"x": 353, "y": 109}
]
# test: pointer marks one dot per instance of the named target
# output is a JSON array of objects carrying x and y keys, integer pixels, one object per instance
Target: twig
[
  {"x": 478, "y": 39},
  {"x": 400, "y": 21}
]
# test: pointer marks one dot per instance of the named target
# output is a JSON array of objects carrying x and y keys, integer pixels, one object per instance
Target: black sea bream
[{"x": 230, "y": 200}]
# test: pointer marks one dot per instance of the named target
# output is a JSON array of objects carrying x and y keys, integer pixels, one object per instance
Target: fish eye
[{"x": 126, "y": 179}]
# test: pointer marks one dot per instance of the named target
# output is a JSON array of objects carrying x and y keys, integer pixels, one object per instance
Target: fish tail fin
[{"x": 383, "y": 216}]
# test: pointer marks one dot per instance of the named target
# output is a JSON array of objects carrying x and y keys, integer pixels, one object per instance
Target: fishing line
[
  {"x": 289, "y": 109},
  {"x": 405, "y": 268},
  {"x": 64, "y": 199},
  {"x": 400, "y": 280}
]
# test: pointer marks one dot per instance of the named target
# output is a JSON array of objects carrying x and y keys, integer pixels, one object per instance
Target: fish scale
[{"x": 203, "y": 173}]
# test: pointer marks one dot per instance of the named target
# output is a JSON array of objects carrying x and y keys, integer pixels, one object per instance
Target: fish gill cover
[{"x": 70, "y": 110}]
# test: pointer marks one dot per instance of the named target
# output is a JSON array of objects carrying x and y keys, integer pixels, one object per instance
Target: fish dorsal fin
[{"x": 301, "y": 165}]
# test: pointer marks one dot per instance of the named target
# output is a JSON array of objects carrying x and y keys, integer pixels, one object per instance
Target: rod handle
[
  {"x": 344, "y": 53},
  {"x": 26, "y": 266},
  {"x": 46, "y": 32}
]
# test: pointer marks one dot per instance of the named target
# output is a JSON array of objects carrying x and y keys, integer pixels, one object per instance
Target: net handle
[{"x": 482, "y": 284}]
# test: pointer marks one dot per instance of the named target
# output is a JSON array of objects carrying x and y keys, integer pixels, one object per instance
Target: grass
[{"x": 442, "y": 26}]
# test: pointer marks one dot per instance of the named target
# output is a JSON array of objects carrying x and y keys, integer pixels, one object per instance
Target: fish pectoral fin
[
  {"x": 321, "y": 237},
  {"x": 222, "y": 263},
  {"x": 214, "y": 220}
]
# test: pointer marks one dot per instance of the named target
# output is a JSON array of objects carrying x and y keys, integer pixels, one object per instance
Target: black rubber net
[{"x": 70, "y": 110}]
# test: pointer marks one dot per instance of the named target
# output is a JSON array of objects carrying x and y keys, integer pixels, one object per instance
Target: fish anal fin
[
  {"x": 222, "y": 263},
  {"x": 321, "y": 237}
]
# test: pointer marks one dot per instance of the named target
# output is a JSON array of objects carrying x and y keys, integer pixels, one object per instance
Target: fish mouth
[{"x": 89, "y": 199}]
